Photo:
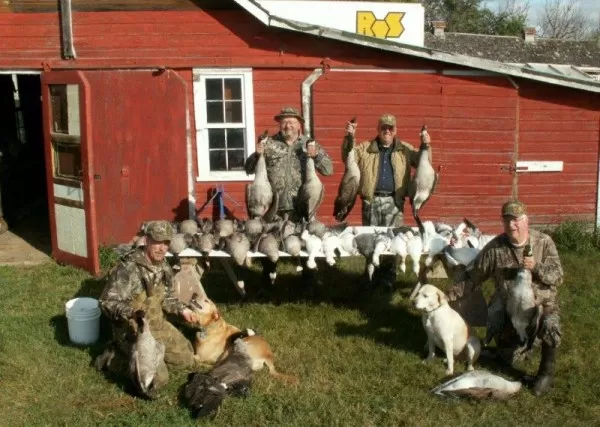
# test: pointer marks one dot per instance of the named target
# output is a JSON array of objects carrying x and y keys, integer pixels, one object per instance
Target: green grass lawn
[{"x": 358, "y": 360}]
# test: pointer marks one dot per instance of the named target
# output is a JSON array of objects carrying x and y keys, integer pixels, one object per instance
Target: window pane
[
  {"x": 67, "y": 160},
  {"x": 217, "y": 160},
  {"x": 64, "y": 101},
  {"x": 236, "y": 159},
  {"x": 214, "y": 112},
  {"x": 233, "y": 89},
  {"x": 235, "y": 138},
  {"x": 214, "y": 89},
  {"x": 233, "y": 111},
  {"x": 216, "y": 138},
  {"x": 58, "y": 99}
]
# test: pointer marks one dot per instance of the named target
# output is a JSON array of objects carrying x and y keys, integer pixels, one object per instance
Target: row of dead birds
[
  {"x": 262, "y": 201},
  {"x": 459, "y": 245}
]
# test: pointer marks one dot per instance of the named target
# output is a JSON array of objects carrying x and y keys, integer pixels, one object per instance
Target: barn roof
[
  {"x": 580, "y": 81},
  {"x": 515, "y": 50}
]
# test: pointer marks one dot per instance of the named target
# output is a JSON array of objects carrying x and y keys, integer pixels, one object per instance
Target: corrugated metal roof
[{"x": 547, "y": 75}]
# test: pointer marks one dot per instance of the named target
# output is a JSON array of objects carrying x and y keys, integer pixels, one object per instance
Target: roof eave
[{"x": 421, "y": 52}]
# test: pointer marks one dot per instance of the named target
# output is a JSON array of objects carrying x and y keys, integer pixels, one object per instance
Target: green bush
[
  {"x": 108, "y": 258},
  {"x": 575, "y": 237}
]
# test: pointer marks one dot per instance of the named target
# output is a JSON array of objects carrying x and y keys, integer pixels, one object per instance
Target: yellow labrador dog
[
  {"x": 214, "y": 343},
  {"x": 446, "y": 329}
]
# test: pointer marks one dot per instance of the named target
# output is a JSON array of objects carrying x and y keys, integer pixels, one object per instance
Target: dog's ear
[{"x": 442, "y": 298}]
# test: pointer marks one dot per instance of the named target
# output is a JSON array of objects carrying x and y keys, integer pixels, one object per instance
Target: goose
[
  {"x": 398, "y": 247},
  {"x": 311, "y": 191},
  {"x": 331, "y": 247},
  {"x": 365, "y": 245},
  {"x": 348, "y": 188},
  {"x": 314, "y": 246},
  {"x": 478, "y": 385},
  {"x": 382, "y": 244},
  {"x": 521, "y": 307},
  {"x": 424, "y": 180},
  {"x": 260, "y": 198},
  {"x": 204, "y": 392},
  {"x": 188, "y": 226},
  {"x": 237, "y": 245},
  {"x": 147, "y": 354}
]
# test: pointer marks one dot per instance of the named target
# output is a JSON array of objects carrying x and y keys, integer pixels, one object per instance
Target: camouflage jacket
[
  {"x": 404, "y": 156},
  {"x": 500, "y": 261},
  {"x": 286, "y": 165},
  {"x": 132, "y": 281}
]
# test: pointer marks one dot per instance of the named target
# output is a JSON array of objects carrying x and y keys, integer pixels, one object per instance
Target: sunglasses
[{"x": 383, "y": 128}]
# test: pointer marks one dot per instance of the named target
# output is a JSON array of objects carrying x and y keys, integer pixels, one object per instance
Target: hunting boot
[{"x": 545, "y": 375}]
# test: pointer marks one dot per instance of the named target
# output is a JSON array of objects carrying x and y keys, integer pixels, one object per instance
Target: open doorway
[{"x": 23, "y": 188}]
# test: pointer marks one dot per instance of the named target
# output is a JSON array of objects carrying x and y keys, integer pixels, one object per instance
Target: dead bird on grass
[{"x": 204, "y": 392}]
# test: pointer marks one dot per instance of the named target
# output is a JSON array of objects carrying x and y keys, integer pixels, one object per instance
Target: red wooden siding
[
  {"x": 559, "y": 124},
  {"x": 478, "y": 134},
  {"x": 471, "y": 121},
  {"x": 140, "y": 144},
  {"x": 227, "y": 38}
]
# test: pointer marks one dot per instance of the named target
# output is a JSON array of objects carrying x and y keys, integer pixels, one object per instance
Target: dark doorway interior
[{"x": 24, "y": 195}]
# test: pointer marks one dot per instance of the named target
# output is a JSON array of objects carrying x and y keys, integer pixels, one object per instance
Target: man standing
[
  {"x": 143, "y": 281},
  {"x": 500, "y": 260},
  {"x": 385, "y": 165},
  {"x": 285, "y": 155}
]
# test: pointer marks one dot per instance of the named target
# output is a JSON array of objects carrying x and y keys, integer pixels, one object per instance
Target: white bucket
[{"x": 83, "y": 318}]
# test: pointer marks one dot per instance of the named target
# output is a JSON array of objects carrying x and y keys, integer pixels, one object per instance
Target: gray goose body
[{"x": 348, "y": 189}]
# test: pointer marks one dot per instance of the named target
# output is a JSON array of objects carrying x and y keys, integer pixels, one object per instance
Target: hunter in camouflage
[
  {"x": 143, "y": 280},
  {"x": 500, "y": 260},
  {"x": 285, "y": 155}
]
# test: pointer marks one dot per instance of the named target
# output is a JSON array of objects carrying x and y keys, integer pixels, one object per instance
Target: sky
[{"x": 590, "y": 7}]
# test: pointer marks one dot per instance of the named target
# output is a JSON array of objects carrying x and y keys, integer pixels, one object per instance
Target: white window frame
[{"x": 200, "y": 76}]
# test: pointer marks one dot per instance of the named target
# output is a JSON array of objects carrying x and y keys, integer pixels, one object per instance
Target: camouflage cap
[
  {"x": 160, "y": 230},
  {"x": 514, "y": 208},
  {"x": 387, "y": 119},
  {"x": 289, "y": 112}
]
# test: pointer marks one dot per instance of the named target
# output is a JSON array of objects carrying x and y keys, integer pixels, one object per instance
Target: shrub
[
  {"x": 108, "y": 258},
  {"x": 575, "y": 237}
]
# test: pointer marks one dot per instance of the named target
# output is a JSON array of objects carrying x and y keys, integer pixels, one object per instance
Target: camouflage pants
[
  {"x": 383, "y": 212},
  {"x": 509, "y": 348}
]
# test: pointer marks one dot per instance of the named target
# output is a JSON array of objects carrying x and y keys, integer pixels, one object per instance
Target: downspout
[
  {"x": 66, "y": 30},
  {"x": 188, "y": 145},
  {"x": 307, "y": 100},
  {"x": 513, "y": 168}
]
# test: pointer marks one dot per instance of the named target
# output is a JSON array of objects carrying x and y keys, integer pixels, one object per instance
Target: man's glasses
[{"x": 383, "y": 128}]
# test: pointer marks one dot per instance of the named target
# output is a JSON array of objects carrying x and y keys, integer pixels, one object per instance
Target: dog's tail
[{"x": 290, "y": 379}]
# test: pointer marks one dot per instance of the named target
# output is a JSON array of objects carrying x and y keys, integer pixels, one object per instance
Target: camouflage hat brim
[{"x": 280, "y": 117}]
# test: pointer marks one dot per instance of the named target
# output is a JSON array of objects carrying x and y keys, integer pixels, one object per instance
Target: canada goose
[
  {"x": 348, "y": 188},
  {"x": 147, "y": 355},
  {"x": 424, "y": 180},
  {"x": 520, "y": 305},
  {"x": 204, "y": 392},
  {"x": 237, "y": 245},
  {"x": 259, "y": 194},
  {"x": 310, "y": 194}
]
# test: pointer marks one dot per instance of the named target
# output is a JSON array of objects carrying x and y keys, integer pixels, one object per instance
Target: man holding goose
[
  {"x": 505, "y": 259},
  {"x": 286, "y": 155}
]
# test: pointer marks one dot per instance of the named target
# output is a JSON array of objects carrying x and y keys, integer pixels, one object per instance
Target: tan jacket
[{"x": 367, "y": 157}]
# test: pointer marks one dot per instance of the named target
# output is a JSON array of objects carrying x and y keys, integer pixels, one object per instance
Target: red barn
[{"x": 147, "y": 108}]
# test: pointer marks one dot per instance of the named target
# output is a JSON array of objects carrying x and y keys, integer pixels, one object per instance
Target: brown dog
[{"x": 214, "y": 343}]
